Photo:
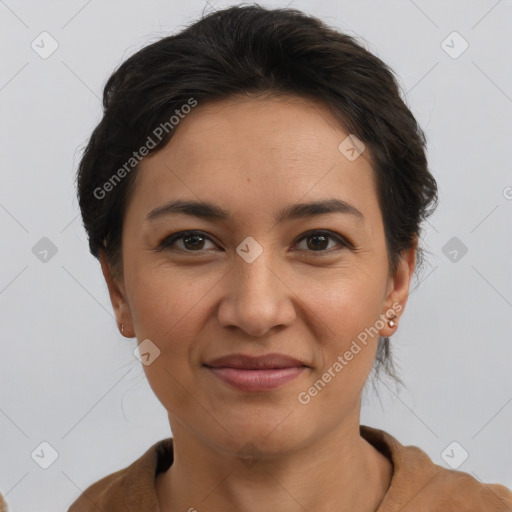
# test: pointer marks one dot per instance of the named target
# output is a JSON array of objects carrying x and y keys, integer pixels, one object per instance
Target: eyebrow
[{"x": 211, "y": 211}]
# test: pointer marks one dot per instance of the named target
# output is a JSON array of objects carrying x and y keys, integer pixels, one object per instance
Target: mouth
[{"x": 248, "y": 373}]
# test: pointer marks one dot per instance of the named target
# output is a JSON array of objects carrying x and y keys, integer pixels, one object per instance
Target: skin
[{"x": 201, "y": 300}]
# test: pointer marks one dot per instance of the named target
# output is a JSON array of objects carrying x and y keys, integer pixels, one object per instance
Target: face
[{"x": 257, "y": 278}]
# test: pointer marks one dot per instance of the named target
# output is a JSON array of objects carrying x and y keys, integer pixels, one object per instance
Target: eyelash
[{"x": 170, "y": 240}]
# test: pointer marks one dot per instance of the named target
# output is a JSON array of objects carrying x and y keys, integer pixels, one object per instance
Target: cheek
[
  {"x": 165, "y": 302},
  {"x": 346, "y": 310},
  {"x": 345, "y": 301},
  {"x": 170, "y": 307},
  {"x": 168, "y": 310},
  {"x": 345, "y": 353}
]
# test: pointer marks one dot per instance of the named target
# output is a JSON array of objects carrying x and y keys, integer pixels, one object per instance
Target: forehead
[
  {"x": 302, "y": 129},
  {"x": 262, "y": 151}
]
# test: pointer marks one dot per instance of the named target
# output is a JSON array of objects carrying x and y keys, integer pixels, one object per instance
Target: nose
[{"x": 257, "y": 298}]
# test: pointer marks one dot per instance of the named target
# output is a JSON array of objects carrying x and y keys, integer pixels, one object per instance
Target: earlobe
[{"x": 117, "y": 297}]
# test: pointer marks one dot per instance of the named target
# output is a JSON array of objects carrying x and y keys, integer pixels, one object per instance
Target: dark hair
[{"x": 248, "y": 50}]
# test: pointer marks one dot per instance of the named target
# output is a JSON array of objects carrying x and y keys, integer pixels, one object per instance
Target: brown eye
[
  {"x": 194, "y": 241},
  {"x": 191, "y": 241},
  {"x": 318, "y": 241}
]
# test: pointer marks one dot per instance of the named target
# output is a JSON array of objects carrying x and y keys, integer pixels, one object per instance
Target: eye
[
  {"x": 317, "y": 241},
  {"x": 192, "y": 241}
]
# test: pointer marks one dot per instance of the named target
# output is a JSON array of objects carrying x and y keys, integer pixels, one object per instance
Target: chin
[{"x": 271, "y": 434}]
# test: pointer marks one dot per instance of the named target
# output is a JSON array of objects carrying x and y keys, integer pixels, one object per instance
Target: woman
[{"x": 254, "y": 193}]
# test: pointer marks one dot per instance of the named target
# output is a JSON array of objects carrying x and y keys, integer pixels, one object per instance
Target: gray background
[{"x": 70, "y": 379}]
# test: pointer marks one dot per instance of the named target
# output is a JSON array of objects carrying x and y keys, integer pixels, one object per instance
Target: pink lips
[{"x": 256, "y": 373}]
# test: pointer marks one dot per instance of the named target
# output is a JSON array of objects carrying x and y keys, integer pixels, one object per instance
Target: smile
[{"x": 249, "y": 373}]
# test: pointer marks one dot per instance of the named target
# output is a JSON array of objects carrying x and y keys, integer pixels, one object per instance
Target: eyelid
[{"x": 169, "y": 240}]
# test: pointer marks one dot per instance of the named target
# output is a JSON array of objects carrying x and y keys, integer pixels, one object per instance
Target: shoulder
[
  {"x": 131, "y": 488},
  {"x": 418, "y": 484},
  {"x": 463, "y": 492},
  {"x": 3, "y": 505},
  {"x": 106, "y": 493}
]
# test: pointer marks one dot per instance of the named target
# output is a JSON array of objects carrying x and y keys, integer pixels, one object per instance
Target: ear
[
  {"x": 117, "y": 297},
  {"x": 398, "y": 289}
]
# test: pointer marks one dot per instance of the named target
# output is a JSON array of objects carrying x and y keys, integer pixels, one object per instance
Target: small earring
[
  {"x": 122, "y": 328},
  {"x": 392, "y": 323}
]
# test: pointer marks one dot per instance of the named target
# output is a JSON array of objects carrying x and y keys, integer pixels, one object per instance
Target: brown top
[{"x": 417, "y": 484}]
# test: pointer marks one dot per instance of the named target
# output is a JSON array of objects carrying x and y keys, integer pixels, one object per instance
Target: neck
[{"x": 340, "y": 471}]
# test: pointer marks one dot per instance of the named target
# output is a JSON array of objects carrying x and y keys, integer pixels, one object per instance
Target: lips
[
  {"x": 263, "y": 373},
  {"x": 266, "y": 362}
]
